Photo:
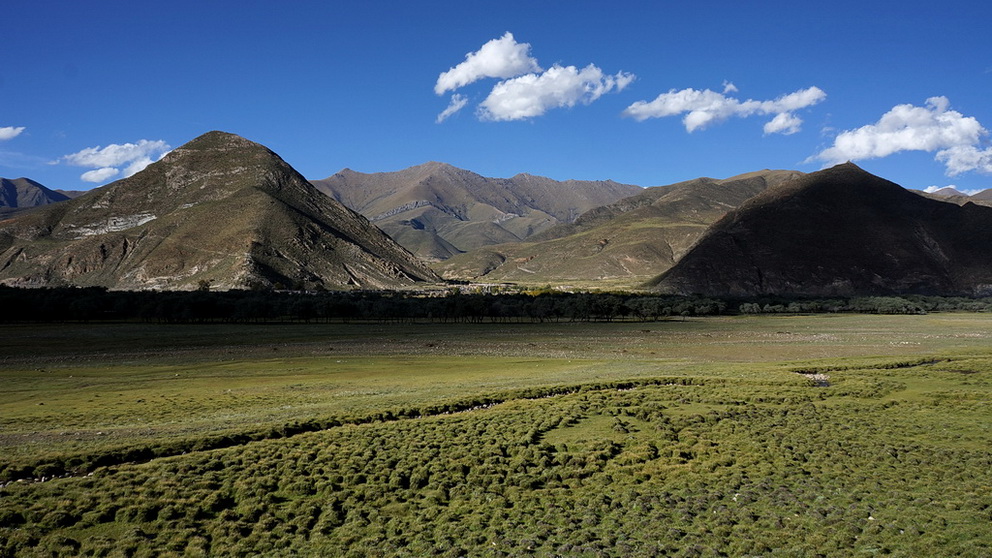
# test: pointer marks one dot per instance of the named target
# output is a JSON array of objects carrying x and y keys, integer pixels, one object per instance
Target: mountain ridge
[{"x": 437, "y": 210}]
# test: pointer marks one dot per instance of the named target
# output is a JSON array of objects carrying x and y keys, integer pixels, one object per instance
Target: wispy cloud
[
  {"x": 10, "y": 132},
  {"x": 114, "y": 159},
  {"x": 561, "y": 86},
  {"x": 955, "y": 139},
  {"x": 499, "y": 58},
  {"x": 526, "y": 90},
  {"x": 457, "y": 103},
  {"x": 705, "y": 108}
]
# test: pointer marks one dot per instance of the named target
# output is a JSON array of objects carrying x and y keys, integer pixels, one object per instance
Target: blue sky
[{"x": 646, "y": 93}]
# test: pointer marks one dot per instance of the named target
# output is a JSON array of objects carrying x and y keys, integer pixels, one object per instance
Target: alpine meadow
[
  {"x": 748, "y": 435},
  {"x": 451, "y": 279}
]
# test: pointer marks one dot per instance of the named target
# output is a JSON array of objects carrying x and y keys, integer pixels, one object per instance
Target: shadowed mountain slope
[
  {"x": 21, "y": 193},
  {"x": 840, "y": 231},
  {"x": 219, "y": 209},
  {"x": 630, "y": 240},
  {"x": 436, "y": 210}
]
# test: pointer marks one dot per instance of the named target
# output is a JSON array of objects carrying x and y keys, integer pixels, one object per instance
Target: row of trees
[{"x": 97, "y": 304}]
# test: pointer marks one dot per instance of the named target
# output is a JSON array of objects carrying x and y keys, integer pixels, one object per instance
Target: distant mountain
[
  {"x": 436, "y": 210},
  {"x": 947, "y": 192},
  {"x": 840, "y": 231},
  {"x": 219, "y": 209},
  {"x": 984, "y": 195},
  {"x": 20, "y": 193},
  {"x": 630, "y": 240},
  {"x": 952, "y": 195}
]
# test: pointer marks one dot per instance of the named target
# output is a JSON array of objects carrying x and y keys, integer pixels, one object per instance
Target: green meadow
[{"x": 784, "y": 435}]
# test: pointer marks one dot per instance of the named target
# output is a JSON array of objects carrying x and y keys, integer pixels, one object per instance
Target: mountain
[
  {"x": 71, "y": 193},
  {"x": 630, "y": 240},
  {"x": 949, "y": 194},
  {"x": 840, "y": 231},
  {"x": 436, "y": 210},
  {"x": 21, "y": 193},
  {"x": 220, "y": 210},
  {"x": 984, "y": 196}
]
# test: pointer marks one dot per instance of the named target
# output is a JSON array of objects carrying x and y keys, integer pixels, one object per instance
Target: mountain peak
[
  {"x": 219, "y": 208},
  {"x": 839, "y": 232},
  {"x": 23, "y": 192}
]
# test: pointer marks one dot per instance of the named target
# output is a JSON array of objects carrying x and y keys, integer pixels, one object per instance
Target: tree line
[{"x": 64, "y": 304}]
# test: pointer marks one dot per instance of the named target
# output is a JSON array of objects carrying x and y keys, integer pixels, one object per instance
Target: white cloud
[
  {"x": 99, "y": 175},
  {"x": 784, "y": 123},
  {"x": 532, "y": 95},
  {"x": 729, "y": 87},
  {"x": 458, "y": 102},
  {"x": 115, "y": 154},
  {"x": 964, "y": 158},
  {"x": 955, "y": 138},
  {"x": 133, "y": 157},
  {"x": 10, "y": 132},
  {"x": 703, "y": 108},
  {"x": 499, "y": 58}
]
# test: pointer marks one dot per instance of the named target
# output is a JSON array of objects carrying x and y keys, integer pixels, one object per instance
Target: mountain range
[
  {"x": 224, "y": 212},
  {"x": 628, "y": 241},
  {"x": 219, "y": 210},
  {"x": 436, "y": 210},
  {"x": 950, "y": 194}
]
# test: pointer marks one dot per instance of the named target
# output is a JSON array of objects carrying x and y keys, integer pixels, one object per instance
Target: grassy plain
[{"x": 607, "y": 439}]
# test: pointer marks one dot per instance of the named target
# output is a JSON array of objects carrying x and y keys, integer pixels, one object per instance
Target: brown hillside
[{"x": 219, "y": 209}]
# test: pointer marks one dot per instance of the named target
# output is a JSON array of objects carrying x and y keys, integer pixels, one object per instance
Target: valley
[{"x": 218, "y": 357}]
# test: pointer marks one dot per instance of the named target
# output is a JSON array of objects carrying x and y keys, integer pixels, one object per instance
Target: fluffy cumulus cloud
[
  {"x": 560, "y": 86},
  {"x": 964, "y": 158},
  {"x": 100, "y": 175},
  {"x": 784, "y": 123},
  {"x": 955, "y": 139},
  {"x": 499, "y": 58},
  {"x": 114, "y": 159},
  {"x": 525, "y": 89},
  {"x": 702, "y": 109},
  {"x": 10, "y": 132}
]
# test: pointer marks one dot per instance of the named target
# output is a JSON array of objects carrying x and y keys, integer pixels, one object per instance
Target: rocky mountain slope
[
  {"x": 841, "y": 231},
  {"x": 436, "y": 210},
  {"x": 20, "y": 193},
  {"x": 220, "y": 210},
  {"x": 630, "y": 240}
]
